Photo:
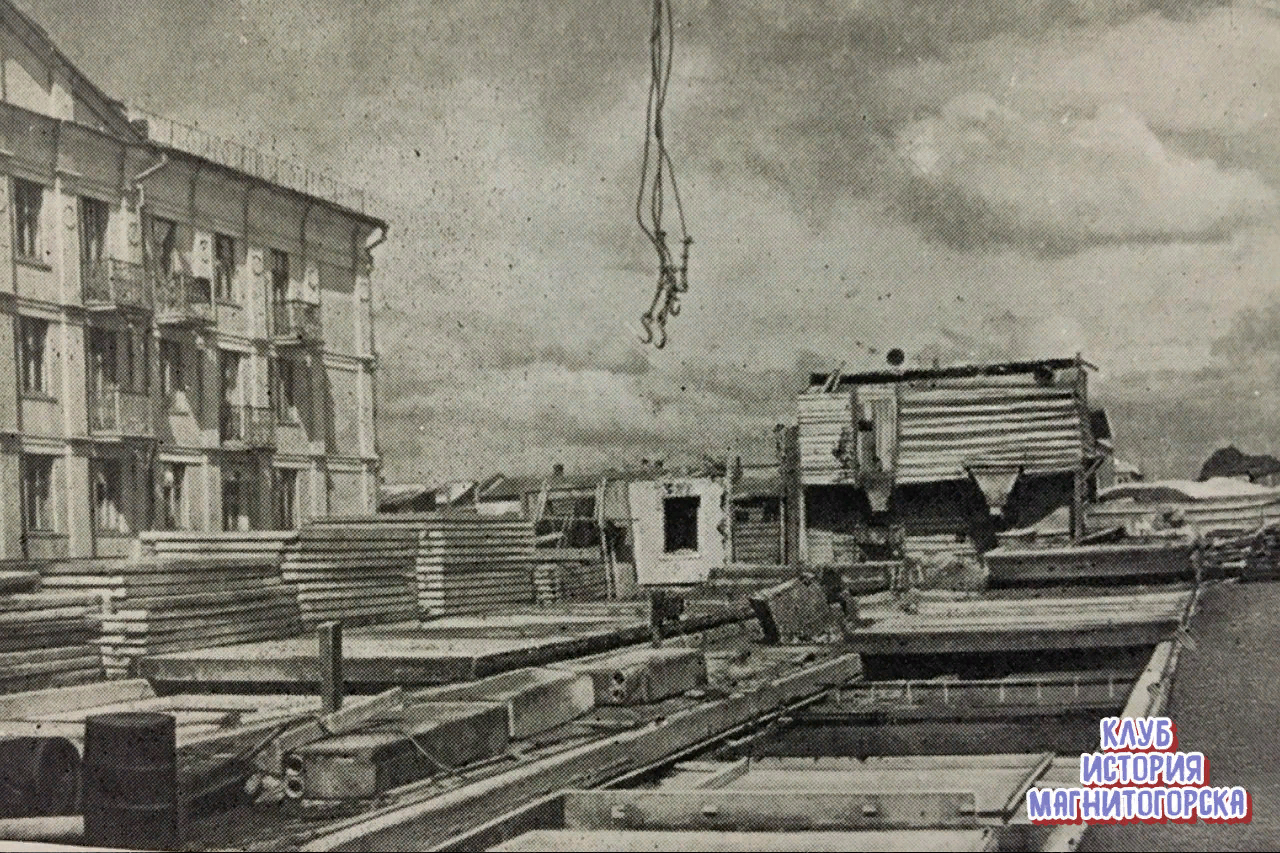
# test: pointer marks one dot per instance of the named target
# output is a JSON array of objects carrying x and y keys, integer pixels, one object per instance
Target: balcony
[
  {"x": 295, "y": 322},
  {"x": 183, "y": 300},
  {"x": 110, "y": 284},
  {"x": 114, "y": 411},
  {"x": 251, "y": 426}
]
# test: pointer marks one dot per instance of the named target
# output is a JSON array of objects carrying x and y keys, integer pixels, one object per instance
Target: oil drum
[
  {"x": 130, "y": 781},
  {"x": 38, "y": 776}
]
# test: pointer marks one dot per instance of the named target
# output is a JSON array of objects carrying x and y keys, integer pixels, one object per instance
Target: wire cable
[{"x": 657, "y": 174}]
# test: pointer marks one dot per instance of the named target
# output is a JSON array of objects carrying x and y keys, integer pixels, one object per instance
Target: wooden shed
[{"x": 938, "y": 460}]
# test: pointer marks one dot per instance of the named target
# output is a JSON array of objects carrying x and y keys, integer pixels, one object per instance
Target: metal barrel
[
  {"x": 131, "y": 781},
  {"x": 38, "y": 776}
]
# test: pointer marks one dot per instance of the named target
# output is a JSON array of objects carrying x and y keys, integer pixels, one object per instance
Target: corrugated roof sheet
[{"x": 944, "y": 430}]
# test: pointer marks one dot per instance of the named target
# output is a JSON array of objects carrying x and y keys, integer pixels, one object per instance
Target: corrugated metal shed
[{"x": 1029, "y": 427}]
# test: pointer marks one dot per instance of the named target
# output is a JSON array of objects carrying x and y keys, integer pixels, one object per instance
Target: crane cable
[{"x": 656, "y": 172}]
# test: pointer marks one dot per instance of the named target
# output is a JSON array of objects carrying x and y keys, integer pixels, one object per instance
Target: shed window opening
[{"x": 680, "y": 523}]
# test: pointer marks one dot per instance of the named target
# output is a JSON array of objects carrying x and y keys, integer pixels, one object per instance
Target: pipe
[
  {"x": 146, "y": 173},
  {"x": 67, "y": 828},
  {"x": 152, "y": 169},
  {"x": 382, "y": 238}
]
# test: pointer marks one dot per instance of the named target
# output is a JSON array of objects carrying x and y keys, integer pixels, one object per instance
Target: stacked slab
[
  {"x": 214, "y": 590},
  {"x": 46, "y": 639},
  {"x": 355, "y": 571}
]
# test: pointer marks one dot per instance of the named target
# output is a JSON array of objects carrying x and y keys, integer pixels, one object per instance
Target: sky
[{"x": 963, "y": 179}]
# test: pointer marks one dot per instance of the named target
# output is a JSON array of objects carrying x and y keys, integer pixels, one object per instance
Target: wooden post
[
  {"x": 329, "y": 637},
  {"x": 1079, "y": 483},
  {"x": 729, "y": 471},
  {"x": 792, "y": 495}
]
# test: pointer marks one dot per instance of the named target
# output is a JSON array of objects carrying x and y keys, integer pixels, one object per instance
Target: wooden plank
[
  {"x": 704, "y": 841},
  {"x": 33, "y": 704},
  {"x": 436, "y": 819},
  {"x": 732, "y": 809}
]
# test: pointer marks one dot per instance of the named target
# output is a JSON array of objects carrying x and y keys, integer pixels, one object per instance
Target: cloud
[
  {"x": 982, "y": 173},
  {"x": 504, "y": 140},
  {"x": 1254, "y": 333},
  {"x": 518, "y": 418},
  {"x": 1216, "y": 70}
]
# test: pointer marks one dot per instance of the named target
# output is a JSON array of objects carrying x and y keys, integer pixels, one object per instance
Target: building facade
[{"x": 184, "y": 344}]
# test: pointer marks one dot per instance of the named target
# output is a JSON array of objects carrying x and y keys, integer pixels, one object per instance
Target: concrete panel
[
  {"x": 763, "y": 811},
  {"x": 93, "y": 161},
  {"x": 67, "y": 375},
  {"x": 796, "y": 608},
  {"x": 234, "y": 319},
  {"x": 346, "y": 498},
  {"x": 535, "y": 699},
  {"x": 431, "y": 738},
  {"x": 641, "y": 676},
  {"x": 6, "y": 237},
  {"x": 663, "y": 562}
]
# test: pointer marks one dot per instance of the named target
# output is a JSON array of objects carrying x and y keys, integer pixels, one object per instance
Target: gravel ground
[{"x": 1226, "y": 704}]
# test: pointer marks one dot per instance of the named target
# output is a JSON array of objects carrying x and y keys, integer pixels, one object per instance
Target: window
[
  {"x": 279, "y": 276},
  {"x": 28, "y": 199},
  {"x": 286, "y": 499},
  {"x": 37, "y": 497},
  {"x": 173, "y": 510},
  {"x": 107, "y": 507},
  {"x": 224, "y": 267},
  {"x": 33, "y": 336},
  {"x": 287, "y": 392},
  {"x": 680, "y": 524},
  {"x": 102, "y": 358},
  {"x": 162, "y": 240},
  {"x": 235, "y": 501},
  {"x": 94, "y": 216},
  {"x": 170, "y": 367},
  {"x": 233, "y": 427}
]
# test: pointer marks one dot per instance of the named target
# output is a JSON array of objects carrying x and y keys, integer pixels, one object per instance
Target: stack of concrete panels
[
  {"x": 48, "y": 640},
  {"x": 474, "y": 565},
  {"x": 156, "y": 604},
  {"x": 357, "y": 573}
]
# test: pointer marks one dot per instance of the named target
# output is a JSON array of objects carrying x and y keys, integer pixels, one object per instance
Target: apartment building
[{"x": 189, "y": 326}]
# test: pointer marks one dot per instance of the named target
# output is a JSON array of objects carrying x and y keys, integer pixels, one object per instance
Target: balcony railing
[
  {"x": 253, "y": 426},
  {"x": 112, "y": 283},
  {"x": 115, "y": 411},
  {"x": 295, "y": 321},
  {"x": 182, "y": 299}
]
